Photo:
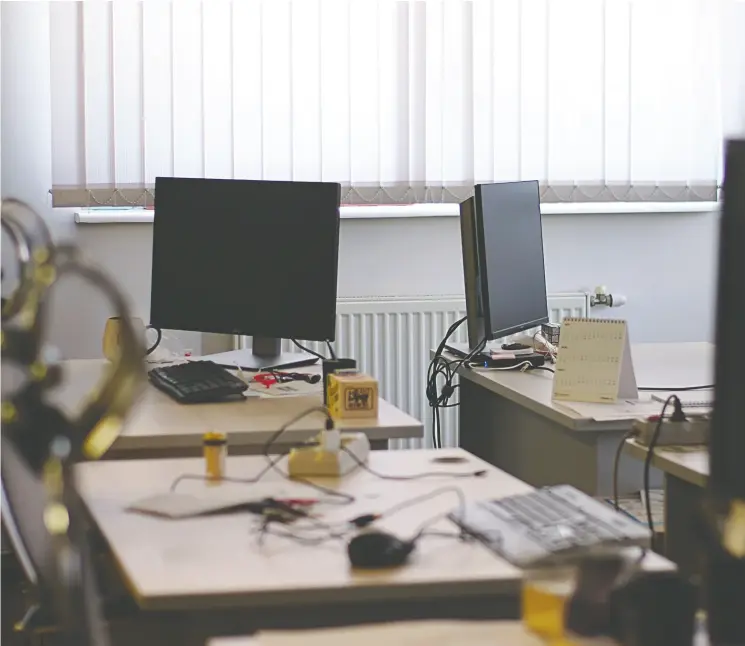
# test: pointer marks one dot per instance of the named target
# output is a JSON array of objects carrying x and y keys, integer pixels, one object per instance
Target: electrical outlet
[{"x": 695, "y": 430}]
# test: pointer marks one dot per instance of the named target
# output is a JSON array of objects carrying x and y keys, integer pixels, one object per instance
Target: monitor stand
[
  {"x": 265, "y": 354},
  {"x": 460, "y": 350}
]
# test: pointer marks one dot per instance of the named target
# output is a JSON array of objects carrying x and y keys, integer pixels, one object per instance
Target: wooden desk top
[
  {"x": 159, "y": 422},
  {"x": 404, "y": 633},
  {"x": 217, "y": 561},
  {"x": 689, "y": 463},
  {"x": 655, "y": 364}
]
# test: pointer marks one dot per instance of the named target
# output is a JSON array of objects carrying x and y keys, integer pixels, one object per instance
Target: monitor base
[
  {"x": 460, "y": 350},
  {"x": 247, "y": 360}
]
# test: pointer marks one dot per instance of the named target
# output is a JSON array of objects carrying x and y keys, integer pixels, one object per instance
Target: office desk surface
[
  {"x": 655, "y": 365},
  {"x": 157, "y": 422},
  {"x": 403, "y": 633},
  {"x": 688, "y": 463},
  {"x": 217, "y": 561}
]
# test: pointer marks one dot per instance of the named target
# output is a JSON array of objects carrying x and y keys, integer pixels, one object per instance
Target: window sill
[{"x": 139, "y": 216}]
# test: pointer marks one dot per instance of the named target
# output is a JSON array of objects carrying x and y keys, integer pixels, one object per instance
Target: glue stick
[{"x": 215, "y": 450}]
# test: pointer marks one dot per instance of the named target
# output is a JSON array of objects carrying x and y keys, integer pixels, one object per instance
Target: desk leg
[{"x": 682, "y": 546}]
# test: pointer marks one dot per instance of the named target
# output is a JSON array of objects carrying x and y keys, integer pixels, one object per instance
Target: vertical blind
[{"x": 399, "y": 101}]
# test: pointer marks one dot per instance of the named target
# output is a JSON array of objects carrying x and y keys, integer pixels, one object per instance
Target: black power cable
[
  {"x": 677, "y": 415},
  {"x": 318, "y": 355},
  {"x": 669, "y": 389},
  {"x": 445, "y": 369}
]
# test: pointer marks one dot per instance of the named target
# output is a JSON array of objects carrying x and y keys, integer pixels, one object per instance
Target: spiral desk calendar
[{"x": 594, "y": 363}]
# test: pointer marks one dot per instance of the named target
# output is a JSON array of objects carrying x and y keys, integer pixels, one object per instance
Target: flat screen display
[{"x": 246, "y": 257}]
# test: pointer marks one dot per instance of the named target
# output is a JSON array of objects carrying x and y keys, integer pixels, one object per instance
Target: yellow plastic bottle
[{"x": 215, "y": 447}]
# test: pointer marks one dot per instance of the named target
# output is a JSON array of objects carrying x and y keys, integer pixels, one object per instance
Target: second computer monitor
[
  {"x": 503, "y": 260},
  {"x": 247, "y": 257}
]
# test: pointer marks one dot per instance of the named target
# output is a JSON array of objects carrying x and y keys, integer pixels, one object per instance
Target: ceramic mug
[{"x": 113, "y": 330}]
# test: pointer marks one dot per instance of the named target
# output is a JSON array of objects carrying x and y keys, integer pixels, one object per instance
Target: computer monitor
[
  {"x": 256, "y": 258},
  {"x": 728, "y": 423},
  {"x": 503, "y": 266},
  {"x": 726, "y": 572}
]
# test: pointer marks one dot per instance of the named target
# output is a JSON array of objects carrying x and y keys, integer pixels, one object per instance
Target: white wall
[{"x": 664, "y": 264}]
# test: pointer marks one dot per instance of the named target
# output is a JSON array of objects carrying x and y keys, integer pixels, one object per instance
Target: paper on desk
[
  {"x": 621, "y": 410},
  {"x": 287, "y": 389},
  {"x": 196, "y": 498},
  {"x": 410, "y": 633}
]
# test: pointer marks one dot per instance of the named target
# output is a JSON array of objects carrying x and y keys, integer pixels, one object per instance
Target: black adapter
[{"x": 330, "y": 366}]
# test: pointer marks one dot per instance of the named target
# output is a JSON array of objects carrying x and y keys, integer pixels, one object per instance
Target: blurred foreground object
[{"x": 40, "y": 445}]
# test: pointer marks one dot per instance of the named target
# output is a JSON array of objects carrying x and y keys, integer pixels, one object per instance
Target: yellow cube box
[{"x": 352, "y": 395}]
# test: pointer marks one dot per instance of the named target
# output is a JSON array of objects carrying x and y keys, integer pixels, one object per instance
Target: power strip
[
  {"x": 319, "y": 461},
  {"x": 695, "y": 430}
]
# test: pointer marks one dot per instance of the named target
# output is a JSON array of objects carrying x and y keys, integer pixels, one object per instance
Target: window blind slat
[
  {"x": 394, "y": 69},
  {"x": 364, "y": 93},
  {"x": 507, "y": 96},
  {"x": 706, "y": 151},
  {"x": 534, "y": 70},
  {"x": 98, "y": 93},
  {"x": 416, "y": 127},
  {"x": 483, "y": 90},
  {"x": 616, "y": 163},
  {"x": 575, "y": 91},
  {"x": 248, "y": 147},
  {"x": 306, "y": 91},
  {"x": 217, "y": 90},
  {"x": 68, "y": 137},
  {"x": 335, "y": 134},
  {"x": 127, "y": 93},
  {"x": 434, "y": 92},
  {"x": 276, "y": 90},
  {"x": 157, "y": 90},
  {"x": 188, "y": 101},
  {"x": 457, "y": 81}
]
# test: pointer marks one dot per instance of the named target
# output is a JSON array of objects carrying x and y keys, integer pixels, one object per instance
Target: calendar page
[{"x": 594, "y": 362}]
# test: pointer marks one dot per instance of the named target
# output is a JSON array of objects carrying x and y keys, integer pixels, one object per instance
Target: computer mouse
[{"x": 376, "y": 549}]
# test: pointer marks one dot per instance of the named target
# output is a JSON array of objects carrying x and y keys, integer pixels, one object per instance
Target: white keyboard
[{"x": 558, "y": 520}]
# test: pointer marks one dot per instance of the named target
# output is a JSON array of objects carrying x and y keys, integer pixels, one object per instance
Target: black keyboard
[{"x": 197, "y": 382}]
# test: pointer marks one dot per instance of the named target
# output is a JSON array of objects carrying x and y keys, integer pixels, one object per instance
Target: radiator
[{"x": 391, "y": 338}]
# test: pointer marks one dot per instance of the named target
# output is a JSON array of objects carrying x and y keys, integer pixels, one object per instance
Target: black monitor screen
[
  {"x": 246, "y": 257},
  {"x": 728, "y": 423},
  {"x": 511, "y": 268}
]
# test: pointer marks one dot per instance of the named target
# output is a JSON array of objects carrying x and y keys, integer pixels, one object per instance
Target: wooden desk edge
[
  {"x": 257, "y": 438},
  {"x": 659, "y": 460},
  {"x": 517, "y": 634},
  {"x": 566, "y": 419}
]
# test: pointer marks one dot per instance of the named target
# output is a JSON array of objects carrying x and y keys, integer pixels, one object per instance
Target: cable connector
[
  {"x": 365, "y": 520},
  {"x": 678, "y": 414}
]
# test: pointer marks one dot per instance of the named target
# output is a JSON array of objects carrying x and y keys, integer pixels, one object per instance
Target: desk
[
  {"x": 158, "y": 426},
  {"x": 433, "y": 633},
  {"x": 686, "y": 472},
  {"x": 213, "y": 572},
  {"x": 509, "y": 419}
]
